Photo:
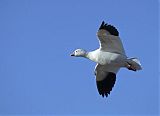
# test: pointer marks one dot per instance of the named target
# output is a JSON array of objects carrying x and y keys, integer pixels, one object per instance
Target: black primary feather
[
  {"x": 105, "y": 86},
  {"x": 111, "y": 29}
]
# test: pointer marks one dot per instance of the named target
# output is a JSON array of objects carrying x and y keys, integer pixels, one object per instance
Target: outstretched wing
[
  {"x": 109, "y": 39},
  {"x": 105, "y": 78}
]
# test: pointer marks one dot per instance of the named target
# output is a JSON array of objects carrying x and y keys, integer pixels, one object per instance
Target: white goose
[{"x": 110, "y": 57}]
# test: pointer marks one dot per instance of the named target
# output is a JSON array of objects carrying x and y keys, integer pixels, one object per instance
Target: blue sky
[{"x": 38, "y": 76}]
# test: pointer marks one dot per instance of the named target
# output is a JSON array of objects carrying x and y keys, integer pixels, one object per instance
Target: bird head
[{"x": 79, "y": 53}]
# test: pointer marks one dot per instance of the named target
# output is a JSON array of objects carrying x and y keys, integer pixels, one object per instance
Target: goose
[{"x": 110, "y": 57}]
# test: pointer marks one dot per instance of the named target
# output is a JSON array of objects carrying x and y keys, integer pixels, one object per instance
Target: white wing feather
[
  {"x": 110, "y": 43},
  {"x": 102, "y": 70}
]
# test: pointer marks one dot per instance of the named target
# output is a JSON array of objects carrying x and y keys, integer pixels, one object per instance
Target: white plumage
[{"x": 110, "y": 57}]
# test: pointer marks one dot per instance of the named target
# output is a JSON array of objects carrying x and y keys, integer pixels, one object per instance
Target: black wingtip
[
  {"x": 105, "y": 86},
  {"x": 102, "y": 25},
  {"x": 111, "y": 29}
]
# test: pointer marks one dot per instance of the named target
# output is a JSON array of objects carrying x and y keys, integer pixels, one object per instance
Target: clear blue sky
[{"x": 38, "y": 76}]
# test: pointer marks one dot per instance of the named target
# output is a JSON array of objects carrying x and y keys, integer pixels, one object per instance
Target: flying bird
[{"x": 110, "y": 57}]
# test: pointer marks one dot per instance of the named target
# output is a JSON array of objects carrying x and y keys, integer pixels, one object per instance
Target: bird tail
[{"x": 134, "y": 64}]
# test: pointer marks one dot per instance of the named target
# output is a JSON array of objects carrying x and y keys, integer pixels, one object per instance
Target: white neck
[{"x": 91, "y": 56}]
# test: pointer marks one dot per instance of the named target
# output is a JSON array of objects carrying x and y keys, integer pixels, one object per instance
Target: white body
[{"x": 106, "y": 58}]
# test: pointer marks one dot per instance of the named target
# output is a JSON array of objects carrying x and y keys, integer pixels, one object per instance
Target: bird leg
[{"x": 130, "y": 67}]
